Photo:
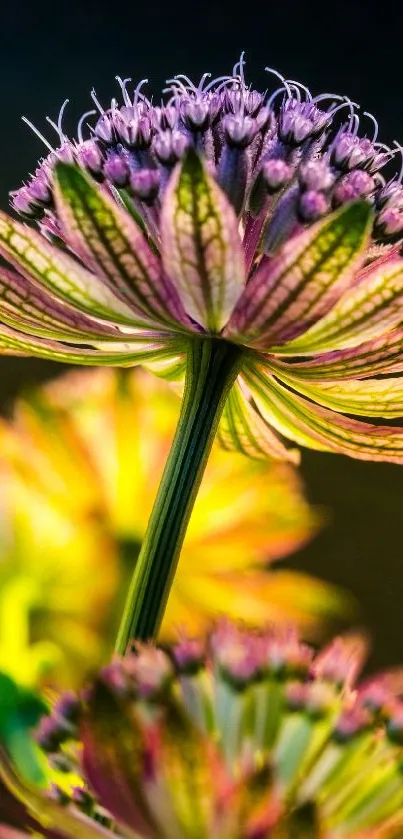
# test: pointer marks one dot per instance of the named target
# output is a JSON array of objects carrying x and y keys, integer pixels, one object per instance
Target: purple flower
[
  {"x": 247, "y": 735},
  {"x": 261, "y": 221}
]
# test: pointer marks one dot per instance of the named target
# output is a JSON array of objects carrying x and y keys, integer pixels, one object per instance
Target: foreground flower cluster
[
  {"x": 255, "y": 234},
  {"x": 253, "y": 736},
  {"x": 79, "y": 468}
]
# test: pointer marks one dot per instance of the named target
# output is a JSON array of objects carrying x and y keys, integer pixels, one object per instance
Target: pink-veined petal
[
  {"x": 366, "y": 311},
  {"x": 381, "y": 355},
  {"x": 104, "y": 235},
  {"x": 298, "y": 286},
  {"x": 62, "y": 275},
  {"x": 201, "y": 247},
  {"x": 319, "y": 428},
  {"x": 28, "y": 307},
  {"x": 365, "y": 397},
  {"x": 242, "y": 429},
  {"x": 148, "y": 347}
]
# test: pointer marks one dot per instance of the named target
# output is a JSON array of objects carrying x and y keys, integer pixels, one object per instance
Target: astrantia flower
[
  {"x": 249, "y": 239},
  {"x": 79, "y": 469},
  {"x": 253, "y": 737},
  {"x": 226, "y": 244}
]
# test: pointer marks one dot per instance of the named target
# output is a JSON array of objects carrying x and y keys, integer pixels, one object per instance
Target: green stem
[{"x": 212, "y": 367}]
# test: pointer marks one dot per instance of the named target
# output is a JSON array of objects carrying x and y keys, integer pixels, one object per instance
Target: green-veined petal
[
  {"x": 34, "y": 310},
  {"x": 149, "y": 347},
  {"x": 242, "y": 429},
  {"x": 201, "y": 246},
  {"x": 62, "y": 275},
  {"x": 319, "y": 428},
  {"x": 382, "y": 355},
  {"x": 371, "y": 308},
  {"x": 366, "y": 397},
  {"x": 298, "y": 286},
  {"x": 104, "y": 235}
]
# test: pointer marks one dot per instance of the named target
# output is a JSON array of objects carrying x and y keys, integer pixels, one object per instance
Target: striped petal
[
  {"x": 366, "y": 311},
  {"x": 58, "y": 272},
  {"x": 148, "y": 347},
  {"x": 115, "y": 759},
  {"x": 106, "y": 237},
  {"x": 368, "y": 397},
  {"x": 382, "y": 355},
  {"x": 25, "y": 306},
  {"x": 242, "y": 429},
  {"x": 200, "y": 244},
  {"x": 289, "y": 293},
  {"x": 319, "y": 428}
]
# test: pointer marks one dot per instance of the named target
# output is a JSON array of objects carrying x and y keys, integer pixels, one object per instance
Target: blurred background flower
[
  {"x": 243, "y": 734},
  {"x": 79, "y": 468}
]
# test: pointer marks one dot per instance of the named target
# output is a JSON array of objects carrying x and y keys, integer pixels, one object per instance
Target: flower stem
[{"x": 212, "y": 367}]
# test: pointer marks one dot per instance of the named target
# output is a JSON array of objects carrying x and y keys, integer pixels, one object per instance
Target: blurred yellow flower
[{"x": 79, "y": 468}]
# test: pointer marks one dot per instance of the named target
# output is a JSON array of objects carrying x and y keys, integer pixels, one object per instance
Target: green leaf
[
  {"x": 201, "y": 247},
  {"x": 290, "y": 292}
]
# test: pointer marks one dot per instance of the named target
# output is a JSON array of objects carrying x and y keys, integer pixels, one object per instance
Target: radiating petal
[
  {"x": 367, "y": 397},
  {"x": 381, "y": 355},
  {"x": 243, "y": 430},
  {"x": 293, "y": 290},
  {"x": 115, "y": 759},
  {"x": 319, "y": 428},
  {"x": 26, "y": 306},
  {"x": 62, "y": 275},
  {"x": 366, "y": 311},
  {"x": 154, "y": 348},
  {"x": 106, "y": 237},
  {"x": 200, "y": 244},
  {"x": 44, "y": 816}
]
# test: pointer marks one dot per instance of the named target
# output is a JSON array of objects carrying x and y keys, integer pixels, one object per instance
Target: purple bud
[
  {"x": 195, "y": 114},
  {"x": 23, "y": 202},
  {"x": 135, "y": 132},
  {"x": 170, "y": 146},
  {"x": 90, "y": 156},
  {"x": 312, "y": 205},
  {"x": 116, "y": 169},
  {"x": 253, "y": 101},
  {"x": 165, "y": 117},
  {"x": 350, "y": 723},
  {"x": 145, "y": 184},
  {"x": 276, "y": 174},
  {"x": 104, "y": 128},
  {"x": 315, "y": 175},
  {"x": 189, "y": 655},
  {"x": 390, "y": 221},
  {"x": 357, "y": 184},
  {"x": 66, "y": 152},
  {"x": 239, "y": 130}
]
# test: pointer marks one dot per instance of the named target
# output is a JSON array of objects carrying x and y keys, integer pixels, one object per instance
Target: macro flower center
[{"x": 284, "y": 158}]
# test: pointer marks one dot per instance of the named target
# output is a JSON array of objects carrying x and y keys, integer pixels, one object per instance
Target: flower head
[
  {"x": 263, "y": 220},
  {"x": 251, "y": 734},
  {"x": 75, "y": 462}
]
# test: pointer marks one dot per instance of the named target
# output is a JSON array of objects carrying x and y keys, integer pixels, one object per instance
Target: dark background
[{"x": 50, "y": 51}]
